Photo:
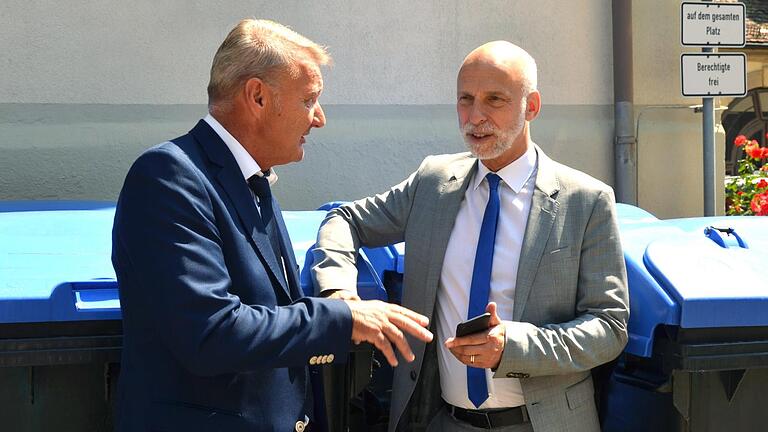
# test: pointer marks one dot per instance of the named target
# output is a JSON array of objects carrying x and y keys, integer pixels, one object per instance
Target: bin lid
[
  {"x": 680, "y": 277},
  {"x": 55, "y": 261},
  {"x": 630, "y": 216},
  {"x": 715, "y": 286}
]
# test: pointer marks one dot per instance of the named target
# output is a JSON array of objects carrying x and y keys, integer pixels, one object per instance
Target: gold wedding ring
[{"x": 472, "y": 359}]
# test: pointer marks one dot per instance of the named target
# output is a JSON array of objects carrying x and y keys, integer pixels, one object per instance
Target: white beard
[{"x": 504, "y": 138}]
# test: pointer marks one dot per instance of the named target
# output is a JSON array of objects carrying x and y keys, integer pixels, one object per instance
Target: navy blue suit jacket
[{"x": 215, "y": 337}]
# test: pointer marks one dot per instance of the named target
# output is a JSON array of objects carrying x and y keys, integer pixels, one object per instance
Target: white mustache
[{"x": 484, "y": 129}]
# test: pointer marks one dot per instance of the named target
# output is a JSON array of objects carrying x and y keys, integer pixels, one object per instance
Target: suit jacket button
[
  {"x": 414, "y": 375},
  {"x": 325, "y": 359},
  {"x": 313, "y": 360},
  {"x": 300, "y": 426},
  {"x": 330, "y": 358}
]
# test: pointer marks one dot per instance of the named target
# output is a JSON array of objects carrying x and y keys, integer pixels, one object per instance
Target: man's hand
[
  {"x": 484, "y": 347},
  {"x": 382, "y": 324}
]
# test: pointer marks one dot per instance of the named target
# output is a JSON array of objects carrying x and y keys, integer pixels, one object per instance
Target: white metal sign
[
  {"x": 715, "y": 74},
  {"x": 712, "y": 24}
]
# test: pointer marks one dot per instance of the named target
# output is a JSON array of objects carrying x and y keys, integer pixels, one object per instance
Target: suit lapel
[
  {"x": 449, "y": 197},
  {"x": 291, "y": 268},
  {"x": 230, "y": 178},
  {"x": 544, "y": 208}
]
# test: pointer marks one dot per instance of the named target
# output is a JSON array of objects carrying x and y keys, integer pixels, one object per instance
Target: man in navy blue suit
[{"x": 217, "y": 335}]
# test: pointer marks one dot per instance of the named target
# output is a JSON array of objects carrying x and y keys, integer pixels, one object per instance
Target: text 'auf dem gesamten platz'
[{"x": 714, "y": 18}]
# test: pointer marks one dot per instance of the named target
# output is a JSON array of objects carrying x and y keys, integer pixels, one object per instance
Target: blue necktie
[{"x": 477, "y": 387}]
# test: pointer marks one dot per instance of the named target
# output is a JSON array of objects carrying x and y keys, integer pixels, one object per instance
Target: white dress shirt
[
  {"x": 247, "y": 164},
  {"x": 515, "y": 193}
]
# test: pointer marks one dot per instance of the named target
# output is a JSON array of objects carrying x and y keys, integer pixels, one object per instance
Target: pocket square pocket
[{"x": 560, "y": 251}]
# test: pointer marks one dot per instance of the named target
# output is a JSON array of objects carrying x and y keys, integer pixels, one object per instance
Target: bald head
[{"x": 508, "y": 57}]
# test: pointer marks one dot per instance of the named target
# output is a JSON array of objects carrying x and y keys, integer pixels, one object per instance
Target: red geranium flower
[
  {"x": 753, "y": 150},
  {"x": 747, "y": 192},
  {"x": 759, "y": 204}
]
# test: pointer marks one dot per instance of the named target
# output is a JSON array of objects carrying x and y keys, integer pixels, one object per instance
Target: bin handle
[{"x": 714, "y": 234}]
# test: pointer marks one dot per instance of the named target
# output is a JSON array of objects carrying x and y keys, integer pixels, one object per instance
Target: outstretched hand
[
  {"x": 484, "y": 348},
  {"x": 382, "y": 324}
]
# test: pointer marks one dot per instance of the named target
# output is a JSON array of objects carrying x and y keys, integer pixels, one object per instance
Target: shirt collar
[
  {"x": 245, "y": 162},
  {"x": 515, "y": 175}
]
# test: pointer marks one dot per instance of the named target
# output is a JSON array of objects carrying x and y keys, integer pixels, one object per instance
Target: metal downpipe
[{"x": 625, "y": 144}]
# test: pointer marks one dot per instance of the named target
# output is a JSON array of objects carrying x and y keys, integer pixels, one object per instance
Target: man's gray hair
[{"x": 258, "y": 49}]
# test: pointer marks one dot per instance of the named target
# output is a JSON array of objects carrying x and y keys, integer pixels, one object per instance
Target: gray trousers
[{"x": 444, "y": 422}]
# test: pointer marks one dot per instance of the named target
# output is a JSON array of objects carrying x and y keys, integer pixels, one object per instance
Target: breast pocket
[
  {"x": 557, "y": 253},
  {"x": 563, "y": 262},
  {"x": 554, "y": 291}
]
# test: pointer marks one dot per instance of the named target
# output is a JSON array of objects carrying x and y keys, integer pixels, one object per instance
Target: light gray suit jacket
[{"x": 571, "y": 301}]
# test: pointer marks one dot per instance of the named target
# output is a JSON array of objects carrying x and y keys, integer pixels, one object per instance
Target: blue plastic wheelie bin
[
  {"x": 697, "y": 356},
  {"x": 60, "y": 328},
  {"x": 60, "y": 320}
]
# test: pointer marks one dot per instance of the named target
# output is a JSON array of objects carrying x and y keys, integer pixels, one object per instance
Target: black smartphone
[{"x": 474, "y": 325}]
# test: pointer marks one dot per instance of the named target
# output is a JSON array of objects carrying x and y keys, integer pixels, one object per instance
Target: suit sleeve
[
  {"x": 169, "y": 258},
  {"x": 372, "y": 222},
  {"x": 599, "y": 331}
]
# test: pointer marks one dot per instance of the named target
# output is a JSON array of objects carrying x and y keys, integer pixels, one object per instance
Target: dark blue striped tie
[
  {"x": 477, "y": 387},
  {"x": 260, "y": 187}
]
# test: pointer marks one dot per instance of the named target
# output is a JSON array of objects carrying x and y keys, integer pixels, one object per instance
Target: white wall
[
  {"x": 394, "y": 52},
  {"x": 89, "y": 85},
  {"x": 670, "y": 162}
]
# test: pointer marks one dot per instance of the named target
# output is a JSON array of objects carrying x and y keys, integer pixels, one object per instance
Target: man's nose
[
  {"x": 319, "y": 120},
  {"x": 476, "y": 114}
]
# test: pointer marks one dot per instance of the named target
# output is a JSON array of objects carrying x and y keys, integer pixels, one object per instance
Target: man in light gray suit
[{"x": 505, "y": 230}]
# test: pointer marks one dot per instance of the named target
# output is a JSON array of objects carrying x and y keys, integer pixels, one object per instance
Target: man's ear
[
  {"x": 532, "y": 105},
  {"x": 255, "y": 92}
]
